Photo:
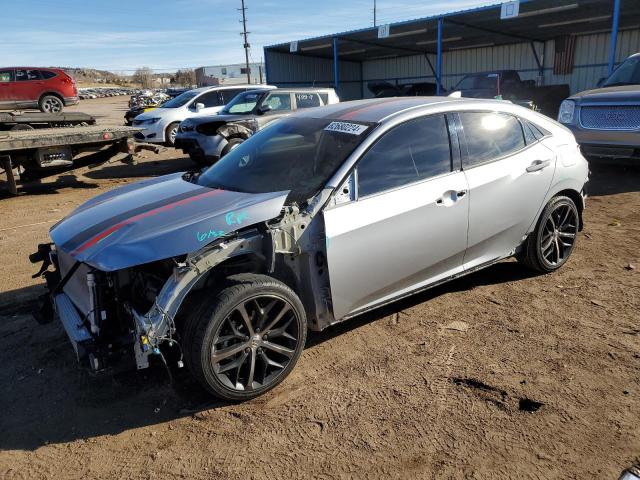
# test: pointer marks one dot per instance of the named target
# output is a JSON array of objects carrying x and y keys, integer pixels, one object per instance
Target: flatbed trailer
[
  {"x": 19, "y": 120},
  {"x": 39, "y": 153}
]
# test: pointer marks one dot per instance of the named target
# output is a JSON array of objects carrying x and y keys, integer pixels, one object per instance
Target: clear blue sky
[{"x": 120, "y": 35}]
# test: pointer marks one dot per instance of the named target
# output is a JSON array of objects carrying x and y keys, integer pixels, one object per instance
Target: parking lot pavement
[{"x": 497, "y": 375}]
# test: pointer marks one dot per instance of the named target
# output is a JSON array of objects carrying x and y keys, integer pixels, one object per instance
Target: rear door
[
  {"x": 6, "y": 88},
  {"x": 407, "y": 226},
  {"x": 211, "y": 101},
  {"x": 508, "y": 178},
  {"x": 28, "y": 86}
]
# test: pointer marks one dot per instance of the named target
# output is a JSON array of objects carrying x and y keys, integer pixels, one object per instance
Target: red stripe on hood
[{"x": 140, "y": 216}]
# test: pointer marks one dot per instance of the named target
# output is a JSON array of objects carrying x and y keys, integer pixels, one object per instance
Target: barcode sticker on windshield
[{"x": 344, "y": 127}]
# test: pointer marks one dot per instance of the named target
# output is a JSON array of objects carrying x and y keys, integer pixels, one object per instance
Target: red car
[{"x": 49, "y": 89}]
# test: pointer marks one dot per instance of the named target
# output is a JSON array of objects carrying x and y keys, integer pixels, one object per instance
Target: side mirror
[
  {"x": 199, "y": 106},
  {"x": 262, "y": 109},
  {"x": 600, "y": 82}
]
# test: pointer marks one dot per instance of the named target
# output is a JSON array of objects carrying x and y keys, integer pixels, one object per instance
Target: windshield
[
  {"x": 180, "y": 100},
  {"x": 474, "y": 82},
  {"x": 628, "y": 73},
  {"x": 297, "y": 154},
  {"x": 242, "y": 104}
]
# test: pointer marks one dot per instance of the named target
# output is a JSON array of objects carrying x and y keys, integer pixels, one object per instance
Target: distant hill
[{"x": 91, "y": 75}]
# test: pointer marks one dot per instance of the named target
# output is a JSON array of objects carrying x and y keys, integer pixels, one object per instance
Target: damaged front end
[{"x": 121, "y": 265}]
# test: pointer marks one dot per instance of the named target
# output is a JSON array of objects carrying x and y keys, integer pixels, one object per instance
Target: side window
[
  {"x": 209, "y": 99},
  {"x": 6, "y": 75},
  {"x": 307, "y": 100},
  {"x": 227, "y": 95},
  {"x": 325, "y": 98},
  {"x": 416, "y": 150},
  {"x": 490, "y": 135},
  {"x": 278, "y": 101},
  {"x": 24, "y": 75},
  {"x": 46, "y": 74}
]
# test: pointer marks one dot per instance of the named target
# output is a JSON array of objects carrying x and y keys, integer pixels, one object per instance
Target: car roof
[
  {"x": 226, "y": 87},
  {"x": 373, "y": 110}
]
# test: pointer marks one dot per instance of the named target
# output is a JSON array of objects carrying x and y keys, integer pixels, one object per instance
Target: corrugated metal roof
[{"x": 538, "y": 21}]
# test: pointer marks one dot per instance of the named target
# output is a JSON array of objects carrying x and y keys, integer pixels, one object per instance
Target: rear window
[
  {"x": 47, "y": 74},
  {"x": 307, "y": 100}
]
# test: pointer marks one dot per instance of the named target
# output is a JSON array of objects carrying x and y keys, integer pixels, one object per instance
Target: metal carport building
[{"x": 595, "y": 35}]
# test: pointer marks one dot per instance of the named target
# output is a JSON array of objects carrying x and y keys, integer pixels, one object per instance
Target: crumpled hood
[
  {"x": 157, "y": 219},
  {"x": 621, "y": 93}
]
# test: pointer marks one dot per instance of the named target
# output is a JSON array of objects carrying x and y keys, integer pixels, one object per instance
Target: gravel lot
[{"x": 502, "y": 374}]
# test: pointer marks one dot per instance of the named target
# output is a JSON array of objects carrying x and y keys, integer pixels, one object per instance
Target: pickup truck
[{"x": 507, "y": 85}]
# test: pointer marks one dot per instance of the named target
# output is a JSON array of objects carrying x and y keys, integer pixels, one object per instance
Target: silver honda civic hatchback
[{"x": 319, "y": 217}]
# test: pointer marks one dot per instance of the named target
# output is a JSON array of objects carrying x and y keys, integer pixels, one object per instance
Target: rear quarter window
[{"x": 47, "y": 74}]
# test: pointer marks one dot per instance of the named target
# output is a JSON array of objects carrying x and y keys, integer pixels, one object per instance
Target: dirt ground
[{"x": 502, "y": 374}]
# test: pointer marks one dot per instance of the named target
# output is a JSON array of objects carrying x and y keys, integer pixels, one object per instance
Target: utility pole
[
  {"x": 246, "y": 43},
  {"x": 374, "y": 13}
]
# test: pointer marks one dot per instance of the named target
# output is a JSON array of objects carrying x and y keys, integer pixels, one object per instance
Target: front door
[
  {"x": 407, "y": 226},
  {"x": 509, "y": 177},
  {"x": 6, "y": 88}
]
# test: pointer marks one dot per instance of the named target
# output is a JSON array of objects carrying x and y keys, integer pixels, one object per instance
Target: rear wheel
[
  {"x": 51, "y": 104},
  {"x": 245, "y": 339},
  {"x": 549, "y": 246},
  {"x": 170, "y": 134}
]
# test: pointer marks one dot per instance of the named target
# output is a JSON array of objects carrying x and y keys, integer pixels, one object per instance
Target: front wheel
[
  {"x": 549, "y": 246},
  {"x": 232, "y": 143},
  {"x": 170, "y": 134},
  {"x": 245, "y": 339}
]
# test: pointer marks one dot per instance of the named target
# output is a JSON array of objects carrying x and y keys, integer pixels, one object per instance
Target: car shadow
[
  {"x": 40, "y": 187},
  {"x": 47, "y": 399},
  {"x": 146, "y": 168},
  {"x": 610, "y": 177}
]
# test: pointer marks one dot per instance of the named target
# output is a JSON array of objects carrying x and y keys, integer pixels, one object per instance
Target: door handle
[
  {"x": 538, "y": 165},
  {"x": 450, "y": 197}
]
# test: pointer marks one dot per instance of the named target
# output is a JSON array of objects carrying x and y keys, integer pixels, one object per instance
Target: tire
[
  {"x": 170, "y": 134},
  {"x": 549, "y": 246},
  {"x": 231, "y": 144},
  {"x": 21, "y": 127},
  {"x": 51, "y": 104},
  {"x": 217, "y": 329}
]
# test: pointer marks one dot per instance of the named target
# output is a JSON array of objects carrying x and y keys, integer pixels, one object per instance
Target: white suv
[{"x": 161, "y": 124}]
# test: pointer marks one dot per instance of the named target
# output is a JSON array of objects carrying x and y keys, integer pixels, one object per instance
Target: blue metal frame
[
  {"x": 336, "y": 65},
  {"x": 266, "y": 66},
  {"x": 614, "y": 35},
  {"x": 439, "y": 58}
]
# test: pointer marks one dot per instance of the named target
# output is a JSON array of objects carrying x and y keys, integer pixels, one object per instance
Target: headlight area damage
[{"x": 119, "y": 286}]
